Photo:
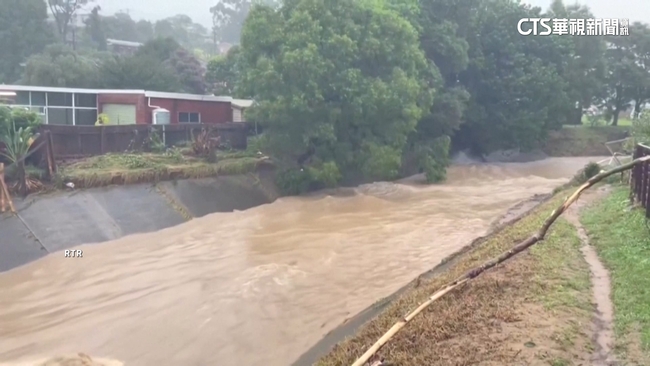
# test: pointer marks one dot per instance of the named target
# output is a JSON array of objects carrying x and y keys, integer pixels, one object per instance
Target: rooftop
[
  {"x": 147, "y": 93},
  {"x": 118, "y": 42}
]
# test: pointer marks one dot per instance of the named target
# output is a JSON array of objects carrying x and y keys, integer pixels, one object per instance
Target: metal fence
[
  {"x": 83, "y": 141},
  {"x": 640, "y": 179}
]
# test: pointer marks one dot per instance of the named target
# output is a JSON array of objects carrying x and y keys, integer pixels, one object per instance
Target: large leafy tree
[
  {"x": 64, "y": 13},
  {"x": 23, "y": 32},
  {"x": 60, "y": 66},
  {"x": 340, "y": 84},
  {"x": 228, "y": 17},
  {"x": 585, "y": 69},
  {"x": 223, "y": 72},
  {"x": 138, "y": 72},
  {"x": 517, "y": 91}
]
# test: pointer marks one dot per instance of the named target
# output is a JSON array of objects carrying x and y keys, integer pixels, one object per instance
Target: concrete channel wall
[{"x": 53, "y": 222}]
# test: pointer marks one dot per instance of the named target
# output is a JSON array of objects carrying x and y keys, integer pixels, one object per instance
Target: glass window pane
[
  {"x": 59, "y": 99},
  {"x": 59, "y": 116},
  {"x": 195, "y": 117},
  {"x": 38, "y": 98},
  {"x": 183, "y": 117},
  {"x": 85, "y": 117},
  {"x": 85, "y": 100},
  {"x": 22, "y": 98}
]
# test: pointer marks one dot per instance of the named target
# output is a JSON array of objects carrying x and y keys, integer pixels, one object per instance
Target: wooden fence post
[
  {"x": 101, "y": 139},
  {"x": 51, "y": 159}
]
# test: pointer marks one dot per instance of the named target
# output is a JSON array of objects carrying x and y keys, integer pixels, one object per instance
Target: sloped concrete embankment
[
  {"x": 54, "y": 222},
  {"x": 352, "y": 325}
]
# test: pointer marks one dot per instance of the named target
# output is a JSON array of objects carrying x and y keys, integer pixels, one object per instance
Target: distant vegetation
[{"x": 353, "y": 90}]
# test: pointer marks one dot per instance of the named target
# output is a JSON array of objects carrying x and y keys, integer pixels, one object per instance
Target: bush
[{"x": 302, "y": 180}]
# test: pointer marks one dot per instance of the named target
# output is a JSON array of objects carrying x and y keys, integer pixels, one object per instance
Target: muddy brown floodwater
[{"x": 256, "y": 287}]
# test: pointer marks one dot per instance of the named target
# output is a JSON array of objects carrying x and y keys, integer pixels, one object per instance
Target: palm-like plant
[{"x": 17, "y": 144}]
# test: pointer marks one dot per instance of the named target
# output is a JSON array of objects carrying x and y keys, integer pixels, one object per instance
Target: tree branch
[{"x": 475, "y": 272}]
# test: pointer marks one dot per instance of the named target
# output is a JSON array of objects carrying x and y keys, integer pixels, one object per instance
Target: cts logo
[{"x": 537, "y": 22}]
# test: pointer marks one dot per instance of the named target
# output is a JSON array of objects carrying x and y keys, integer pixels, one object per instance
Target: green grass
[
  {"x": 582, "y": 140},
  {"x": 622, "y": 239},
  {"x": 149, "y": 167}
]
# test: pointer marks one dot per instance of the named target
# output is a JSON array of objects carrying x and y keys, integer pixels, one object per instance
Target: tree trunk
[{"x": 22, "y": 178}]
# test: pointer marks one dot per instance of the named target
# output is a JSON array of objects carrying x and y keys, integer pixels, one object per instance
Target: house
[
  {"x": 123, "y": 48},
  {"x": 68, "y": 106},
  {"x": 238, "y": 108}
]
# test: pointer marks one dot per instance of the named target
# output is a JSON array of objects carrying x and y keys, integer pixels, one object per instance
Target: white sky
[{"x": 199, "y": 10}]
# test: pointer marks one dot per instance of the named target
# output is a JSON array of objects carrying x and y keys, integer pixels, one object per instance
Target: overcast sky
[{"x": 199, "y": 10}]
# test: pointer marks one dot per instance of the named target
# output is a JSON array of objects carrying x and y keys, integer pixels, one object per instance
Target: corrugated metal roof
[
  {"x": 242, "y": 103},
  {"x": 206, "y": 98},
  {"x": 67, "y": 90},
  {"x": 118, "y": 42},
  {"x": 148, "y": 94}
]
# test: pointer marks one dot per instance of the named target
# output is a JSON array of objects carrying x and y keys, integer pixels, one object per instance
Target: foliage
[
  {"x": 222, "y": 73},
  {"x": 17, "y": 143},
  {"x": 228, "y": 17},
  {"x": 17, "y": 118},
  {"x": 60, "y": 66},
  {"x": 156, "y": 143},
  {"x": 95, "y": 29},
  {"x": 205, "y": 143},
  {"x": 298, "y": 181},
  {"x": 188, "y": 70},
  {"x": 64, "y": 12},
  {"x": 640, "y": 133},
  {"x": 23, "y": 32},
  {"x": 517, "y": 91},
  {"x": 329, "y": 89},
  {"x": 138, "y": 72}
]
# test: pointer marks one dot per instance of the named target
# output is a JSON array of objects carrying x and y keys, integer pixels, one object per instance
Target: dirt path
[{"x": 603, "y": 319}]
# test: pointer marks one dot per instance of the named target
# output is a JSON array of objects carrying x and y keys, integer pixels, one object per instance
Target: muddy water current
[{"x": 256, "y": 287}]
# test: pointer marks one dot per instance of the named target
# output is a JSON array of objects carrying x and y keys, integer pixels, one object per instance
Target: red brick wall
[
  {"x": 211, "y": 112},
  {"x": 142, "y": 113}
]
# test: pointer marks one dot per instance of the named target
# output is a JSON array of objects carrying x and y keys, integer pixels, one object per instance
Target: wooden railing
[{"x": 640, "y": 179}]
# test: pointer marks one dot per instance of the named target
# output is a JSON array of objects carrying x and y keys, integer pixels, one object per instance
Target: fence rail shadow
[{"x": 82, "y": 141}]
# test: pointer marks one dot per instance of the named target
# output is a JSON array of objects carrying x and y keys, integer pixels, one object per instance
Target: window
[
  {"x": 59, "y": 116},
  {"x": 38, "y": 98},
  {"x": 85, "y": 100},
  {"x": 22, "y": 98},
  {"x": 59, "y": 99},
  {"x": 85, "y": 117},
  {"x": 189, "y": 117}
]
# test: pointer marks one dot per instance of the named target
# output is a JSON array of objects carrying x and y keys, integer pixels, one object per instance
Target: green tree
[
  {"x": 640, "y": 43},
  {"x": 64, "y": 13},
  {"x": 187, "y": 69},
  {"x": 517, "y": 91},
  {"x": 228, "y": 17},
  {"x": 23, "y": 32},
  {"x": 138, "y": 72},
  {"x": 585, "y": 70},
  {"x": 622, "y": 77},
  {"x": 95, "y": 29},
  {"x": 222, "y": 73},
  {"x": 330, "y": 87},
  {"x": 60, "y": 66}
]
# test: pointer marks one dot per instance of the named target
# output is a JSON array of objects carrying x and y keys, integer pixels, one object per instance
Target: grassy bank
[
  {"x": 583, "y": 140},
  {"x": 622, "y": 239},
  {"x": 148, "y": 167},
  {"x": 534, "y": 309}
]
